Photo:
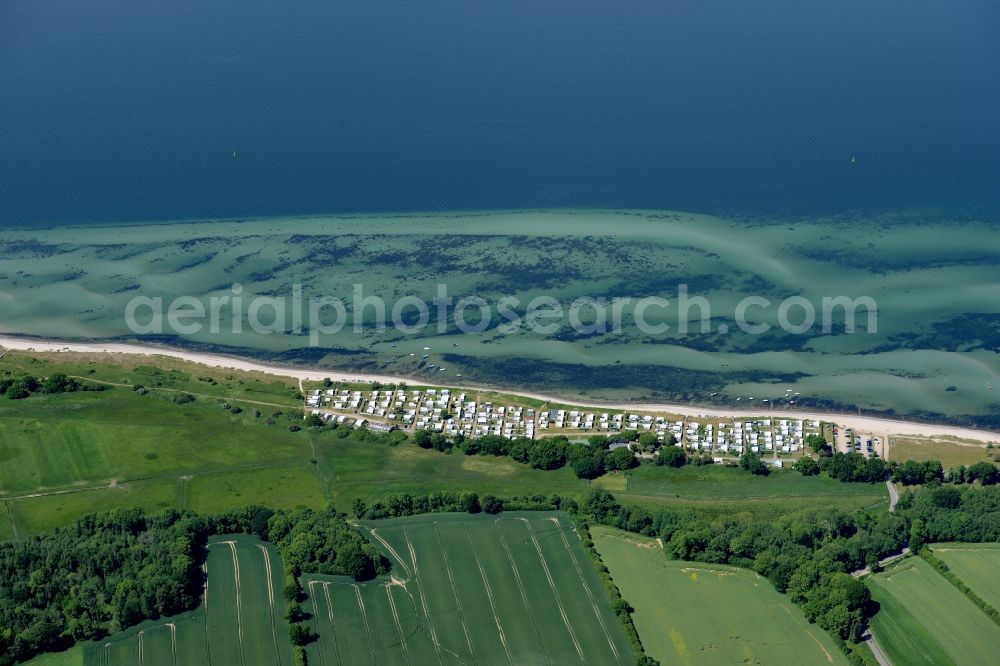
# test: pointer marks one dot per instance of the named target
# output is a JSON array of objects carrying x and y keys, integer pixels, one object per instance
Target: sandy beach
[{"x": 861, "y": 423}]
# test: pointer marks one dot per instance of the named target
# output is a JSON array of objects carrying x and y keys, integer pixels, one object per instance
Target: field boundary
[{"x": 945, "y": 572}]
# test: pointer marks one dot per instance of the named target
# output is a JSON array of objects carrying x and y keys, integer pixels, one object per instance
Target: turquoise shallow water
[
  {"x": 132, "y": 109},
  {"x": 934, "y": 354}
]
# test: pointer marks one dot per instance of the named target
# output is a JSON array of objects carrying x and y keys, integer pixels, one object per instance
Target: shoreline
[{"x": 873, "y": 424}]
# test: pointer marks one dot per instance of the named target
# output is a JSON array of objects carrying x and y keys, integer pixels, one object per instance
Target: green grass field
[
  {"x": 360, "y": 469},
  {"x": 694, "y": 613},
  {"x": 977, "y": 564},
  {"x": 951, "y": 452},
  {"x": 240, "y": 620},
  {"x": 71, "y": 657},
  {"x": 292, "y": 486},
  {"x": 924, "y": 619},
  {"x": 714, "y": 487},
  {"x": 38, "y": 514},
  {"x": 61, "y": 441},
  {"x": 517, "y": 588},
  {"x": 63, "y": 456}
]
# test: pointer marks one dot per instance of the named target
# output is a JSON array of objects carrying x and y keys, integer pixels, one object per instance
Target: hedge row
[
  {"x": 945, "y": 571},
  {"x": 621, "y": 607}
]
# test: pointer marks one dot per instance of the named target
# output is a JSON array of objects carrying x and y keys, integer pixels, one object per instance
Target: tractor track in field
[
  {"x": 239, "y": 600},
  {"x": 489, "y": 595},
  {"x": 586, "y": 588},
  {"x": 270, "y": 600},
  {"x": 524, "y": 595},
  {"x": 364, "y": 619},
  {"x": 392, "y": 551},
  {"x": 173, "y": 642},
  {"x": 555, "y": 592},
  {"x": 454, "y": 592},
  {"x": 333, "y": 624},
  {"x": 395, "y": 620},
  {"x": 423, "y": 599},
  {"x": 312, "y": 596}
]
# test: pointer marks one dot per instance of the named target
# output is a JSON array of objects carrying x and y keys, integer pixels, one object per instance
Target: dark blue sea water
[{"x": 132, "y": 109}]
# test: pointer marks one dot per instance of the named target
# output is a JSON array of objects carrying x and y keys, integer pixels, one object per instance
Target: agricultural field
[
  {"x": 240, "y": 620},
  {"x": 924, "y": 619},
  {"x": 695, "y": 613},
  {"x": 62, "y": 441},
  {"x": 977, "y": 564},
  {"x": 731, "y": 488},
  {"x": 517, "y": 588}
]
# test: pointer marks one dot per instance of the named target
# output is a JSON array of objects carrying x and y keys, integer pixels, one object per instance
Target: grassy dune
[{"x": 694, "y": 613}]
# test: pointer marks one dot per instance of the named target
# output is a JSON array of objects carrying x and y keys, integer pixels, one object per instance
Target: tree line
[{"x": 588, "y": 461}]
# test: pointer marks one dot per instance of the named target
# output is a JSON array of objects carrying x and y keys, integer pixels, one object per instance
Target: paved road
[
  {"x": 884, "y": 561},
  {"x": 880, "y": 656}
]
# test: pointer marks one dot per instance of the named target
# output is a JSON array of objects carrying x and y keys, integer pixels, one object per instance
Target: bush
[
  {"x": 492, "y": 504},
  {"x": 806, "y": 466},
  {"x": 672, "y": 456},
  {"x": 752, "y": 463}
]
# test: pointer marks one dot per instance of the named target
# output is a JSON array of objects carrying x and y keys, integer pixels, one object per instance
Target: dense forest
[{"x": 113, "y": 570}]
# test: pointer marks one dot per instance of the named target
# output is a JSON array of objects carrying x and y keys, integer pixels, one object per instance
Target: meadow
[
  {"x": 951, "y": 452},
  {"x": 516, "y": 588},
  {"x": 240, "y": 620},
  {"x": 695, "y": 613},
  {"x": 65, "y": 455},
  {"x": 924, "y": 619},
  {"x": 718, "y": 488},
  {"x": 977, "y": 564}
]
